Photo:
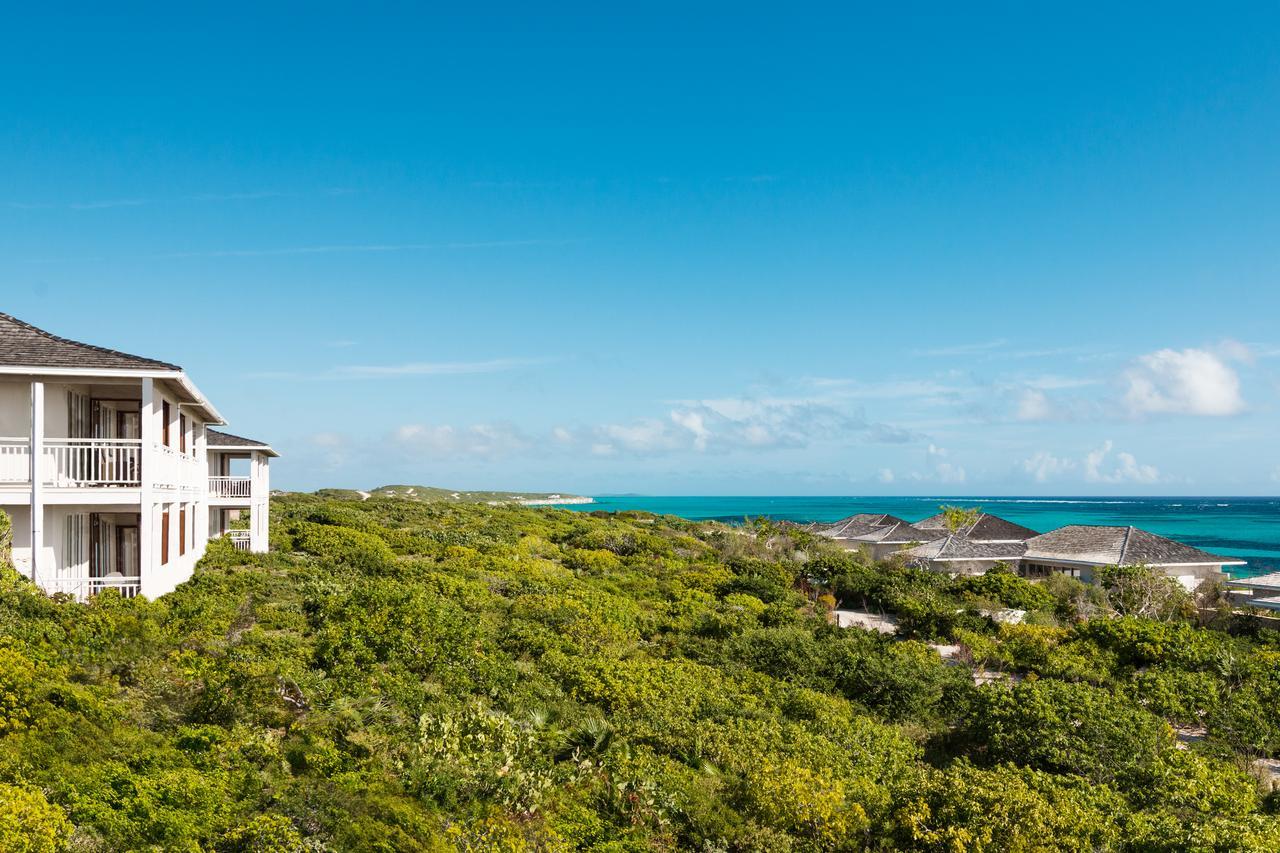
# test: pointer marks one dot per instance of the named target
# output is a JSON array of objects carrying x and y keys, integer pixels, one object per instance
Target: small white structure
[
  {"x": 109, "y": 470},
  {"x": 1261, "y": 591}
]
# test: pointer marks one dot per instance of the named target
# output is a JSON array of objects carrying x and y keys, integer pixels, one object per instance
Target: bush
[
  {"x": 1075, "y": 729},
  {"x": 29, "y": 823},
  {"x": 361, "y": 551}
]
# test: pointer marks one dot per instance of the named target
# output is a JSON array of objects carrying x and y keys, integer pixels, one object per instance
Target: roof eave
[
  {"x": 244, "y": 448},
  {"x": 195, "y": 397}
]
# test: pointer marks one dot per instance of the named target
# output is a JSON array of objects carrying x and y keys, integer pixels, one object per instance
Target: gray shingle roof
[
  {"x": 217, "y": 438},
  {"x": 1122, "y": 546},
  {"x": 882, "y": 529},
  {"x": 988, "y": 528},
  {"x": 958, "y": 548},
  {"x": 23, "y": 345},
  {"x": 1270, "y": 580},
  {"x": 862, "y": 523}
]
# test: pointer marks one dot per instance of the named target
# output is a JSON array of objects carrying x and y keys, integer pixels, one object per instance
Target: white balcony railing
[
  {"x": 15, "y": 460},
  {"x": 92, "y": 462},
  {"x": 230, "y": 487},
  {"x": 74, "y": 462},
  {"x": 83, "y": 588},
  {"x": 176, "y": 470},
  {"x": 239, "y": 538}
]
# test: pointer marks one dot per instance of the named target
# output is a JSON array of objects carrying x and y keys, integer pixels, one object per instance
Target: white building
[{"x": 110, "y": 471}]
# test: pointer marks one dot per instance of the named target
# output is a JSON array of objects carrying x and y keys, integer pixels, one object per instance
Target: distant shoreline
[{"x": 576, "y": 501}]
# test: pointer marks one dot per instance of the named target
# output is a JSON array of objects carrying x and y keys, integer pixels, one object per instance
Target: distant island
[{"x": 434, "y": 494}]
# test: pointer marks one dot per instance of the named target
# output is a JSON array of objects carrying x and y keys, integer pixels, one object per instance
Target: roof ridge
[
  {"x": 1124, "y": 546},
  {"x": 106, "y": 350}
]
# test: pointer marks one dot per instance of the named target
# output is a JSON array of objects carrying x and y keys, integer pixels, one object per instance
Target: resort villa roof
[
  {"x": 987, "y": 528},
  {"x": 878, "y": 529},
  {"x": 1263, "y": 590},
  {"x": 1117, "y": 546},
  {"x": 23, "y": 345},
  {"x": 219, "y": 440},
  {"x": 859, "y": 523},
  {"x": 1265, "y": 583},
  {"x": 957, "y": 549}
]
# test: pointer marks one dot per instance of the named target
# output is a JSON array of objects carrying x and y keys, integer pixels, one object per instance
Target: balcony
[
  {"x": 230, "y": 487},
  {"x": 240, "y": 539},
  {"x": 70, "y": 463},
  {"x": 84, "y": 588}
]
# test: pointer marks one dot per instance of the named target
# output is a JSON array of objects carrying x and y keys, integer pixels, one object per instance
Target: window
[
  {"x": 75, "y": 554},
  {"x": 182, "y": 433},
  {"x": 164, "y": 537},
  {"x": 182, "y": 530},
  {"x": 79, "y": 415},
  {"x": 164, "y": 422}
]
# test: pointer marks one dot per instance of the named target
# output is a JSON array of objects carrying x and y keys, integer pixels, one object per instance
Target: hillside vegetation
[
  {"x": 433, "y": 493},
  {"x": 402, "y": 676}
]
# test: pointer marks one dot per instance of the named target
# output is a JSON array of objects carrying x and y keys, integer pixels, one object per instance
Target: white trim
[
  {"x": 240, "y": 448},
  {"x": 1038, "y": 558},
  {"x": 180, "y": 376}
]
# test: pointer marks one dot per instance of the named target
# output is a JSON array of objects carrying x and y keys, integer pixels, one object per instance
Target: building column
[
  {"x": 36, "y": 450},
  {"x": 259, "y": 491},
  {"x": 148, "y": 548}
]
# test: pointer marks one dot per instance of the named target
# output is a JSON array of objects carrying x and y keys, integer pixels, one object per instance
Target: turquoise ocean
[{"x": 1245, "y": 528}]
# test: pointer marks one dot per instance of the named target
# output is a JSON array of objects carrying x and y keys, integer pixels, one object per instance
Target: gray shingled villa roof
[
  {"x": 23, "y": 345},
  {"x": 861, "y": 523},
  {"x": 956, "y": 548},
  {"x": 988, "y": 528},
  {"x": 1117, "y": 546},
  {"x": 877, "y": 528},
  {"x": 219, "y": 440}
]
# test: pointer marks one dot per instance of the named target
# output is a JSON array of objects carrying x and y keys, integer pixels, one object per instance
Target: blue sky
[{"x": 844, "y": 250}]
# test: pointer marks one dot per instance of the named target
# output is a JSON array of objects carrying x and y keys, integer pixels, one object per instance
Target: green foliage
[
  {"x": 1003, "y": 585},
  {"x": 432, "y": 676},
  {"x": 1076, "y": 729},
  {"x": 958, "y": 517},
  {"x": 1011, "y": 809},
  {"x": 6, "y": 538},
  {"x": 29, "y": 823}
]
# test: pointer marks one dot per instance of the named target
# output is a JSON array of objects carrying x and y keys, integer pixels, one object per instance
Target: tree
[
  {"x": 958, "y": 518},
  {"x": 1142, "y": 591}
]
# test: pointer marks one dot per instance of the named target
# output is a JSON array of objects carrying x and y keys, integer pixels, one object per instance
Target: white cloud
[
  {"x": 723, "y": 425},
  {"x": 1033, "y": 405},
  {"x": 1189, "y": 381},
  {"x": 885, "y": 475},
  {"x": 1125, "y": 470},
  {"x": 435, "y": 368},
  {"x": 485, "y": 440},
  {"x": 1044, "y": 466},
  {"x": 943, "y": 470},
  {"x": 961, "y": 349}
]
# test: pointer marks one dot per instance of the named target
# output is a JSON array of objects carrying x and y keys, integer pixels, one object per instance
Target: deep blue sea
[{"x": 1246, "y": 528}]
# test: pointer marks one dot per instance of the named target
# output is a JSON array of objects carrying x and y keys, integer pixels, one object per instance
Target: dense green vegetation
[
  {"x": 421, "y": 676},
  {"x": 434, "y": 493}
]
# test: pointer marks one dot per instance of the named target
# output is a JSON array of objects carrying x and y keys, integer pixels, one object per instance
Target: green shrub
[
  {"x": 361, "y": 551},
  {"x": 29, "y": 823}
]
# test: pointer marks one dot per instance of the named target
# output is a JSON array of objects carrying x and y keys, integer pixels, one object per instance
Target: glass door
[{"x": 128, "y": 553}]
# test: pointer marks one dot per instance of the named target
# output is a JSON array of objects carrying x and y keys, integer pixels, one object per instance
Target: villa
[
  {"x": 877, "y": 534},
  {"x": 1080, "y": 549},
  {"x": 1261, "y": 591},
  {"x": 986, "y": 528},
  {"x": 1077, "y": 550},
  {"x": 111, "y": 471}
]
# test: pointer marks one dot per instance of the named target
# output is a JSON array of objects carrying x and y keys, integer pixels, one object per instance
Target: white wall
[{"x": 15, "y": 408}]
